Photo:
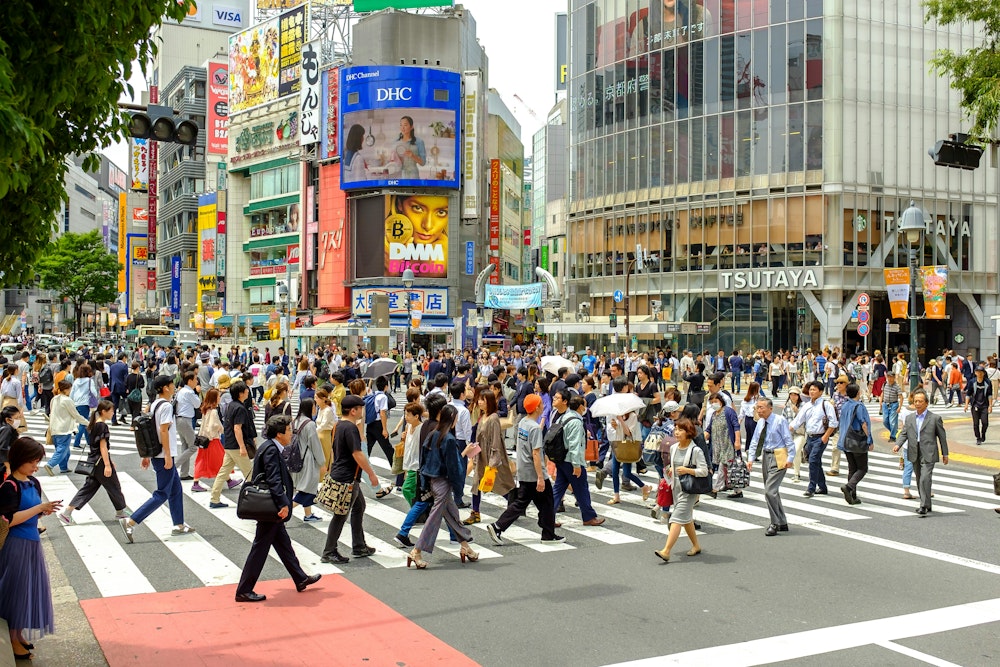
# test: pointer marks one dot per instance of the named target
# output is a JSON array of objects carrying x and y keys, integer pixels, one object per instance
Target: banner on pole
[
  {"x": 897, "y": 285},
  {"x": 514, "y": 297},
  {"x": 935, "y": 282}
]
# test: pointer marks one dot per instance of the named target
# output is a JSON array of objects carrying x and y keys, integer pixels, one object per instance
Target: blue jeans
[
  {"x": 419, "y": 507},
  {"x": 28, "y": 397},
  {"x": 907, "y": 470},
  {"x": 736, "y": 382},
  {"x": 168, "y": 490},
  {"x": 565, "y": 478},
  {"x": 817, "y": 479},
  {"x": 890, "y": 418},
  {"x": 60, "y": 459},
  {"x": 84, "y": 411},
  {"x": 627, "y": 469}
]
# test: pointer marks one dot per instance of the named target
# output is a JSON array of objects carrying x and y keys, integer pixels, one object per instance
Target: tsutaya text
[{"x": 770, "y": 279}]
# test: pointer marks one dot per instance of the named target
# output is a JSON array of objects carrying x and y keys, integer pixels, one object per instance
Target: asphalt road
[{"x": 865, "y": 584}]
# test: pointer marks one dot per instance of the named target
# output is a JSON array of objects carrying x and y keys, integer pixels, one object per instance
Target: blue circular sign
[
  {"x": 863, "y": 329},
  {"x": 619, "y": 296},
  {"x": 864, "y": 316}
]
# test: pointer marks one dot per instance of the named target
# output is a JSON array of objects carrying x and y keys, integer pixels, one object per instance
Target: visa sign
[{"x": 229, "y": 16}]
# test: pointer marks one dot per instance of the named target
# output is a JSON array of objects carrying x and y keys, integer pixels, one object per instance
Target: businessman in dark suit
[
  {"x": 116, "y": 376},
  {"x": 272, "y": 533},
  {"x": 924, "y": 431}
]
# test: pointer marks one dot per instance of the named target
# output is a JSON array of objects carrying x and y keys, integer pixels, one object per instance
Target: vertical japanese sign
[
  {"x": 330, "y": 146},
  {"x": 310, "y": 100},
  {"x": 935, "y": 281},
  {"x": 154, "y": 98},
  {"x": 292, "y": 35},
  {"x": 897, "y": 285},
  {"x": 218, "y": 108},
  {"x": 470, "y": 146},
  {"x": 470, "y": 257},
  {"x": 175, "y": 285},
  {"x": 139, "y": 164},
  {"x": 495, "y": 220},
  {"x": 122, "y": 247}
]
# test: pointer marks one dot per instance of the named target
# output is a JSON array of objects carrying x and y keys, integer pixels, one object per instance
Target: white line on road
[{"x": 919, "y": 655}]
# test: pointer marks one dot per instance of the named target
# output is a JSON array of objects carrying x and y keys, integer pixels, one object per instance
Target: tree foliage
[
  {"x": 64, "y": 64},
  {"x": 974, "y": 72},
  {"x": 78, "y": 267}
]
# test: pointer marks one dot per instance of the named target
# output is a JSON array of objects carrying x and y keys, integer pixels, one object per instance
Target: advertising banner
[
  {"x": 433, "y": 300},
  {"x": 137, "y": 272},
  {"x": 470, "y": 146},
  {"x": 310, "y": 96},
  {"x": 175, "y": 285},
  {"x": 897, "y": 285},
  {"x": 562, "y": 52},
  {"x": 935, "y": 281},
  {"x": 218, "y": 108},
  {"x": 207, "y": 250},
  {"x": 400, "y": 127},
  {"x": 122, "y": 245},
  {"x": 514, "y": 297},
  {"x": 470, "y": 257},
  {"x": 292, "y": 254},
  {"x": 494, "y": 222},
  {"x": 416, "y": 235},
  {"x": 332, "y": 240},
  {"x": 264, "y": 61},
  {"x": 330, "y": 144},
  {"x": 153, "y": 204},
  {"x": 139, "y": 164}
]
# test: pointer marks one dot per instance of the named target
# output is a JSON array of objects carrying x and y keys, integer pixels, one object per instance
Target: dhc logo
[
  {"x": 393, "y": 94},
  {"x": 227, "y": 16}
]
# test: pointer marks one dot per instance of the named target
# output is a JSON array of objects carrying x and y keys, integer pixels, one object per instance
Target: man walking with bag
[
  {"x": 571, "y": 471},
  {"x": 855, "y": 441},
  {"x": 773, "y": 446},
  {"x": 269, "y": 463},
  {"x": 924, "y": 431}
]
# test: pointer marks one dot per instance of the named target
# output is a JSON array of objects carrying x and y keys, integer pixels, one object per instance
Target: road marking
[
  {"x": 808, "y": 507},
  {"x": 386, "y": 555},
  {"x": 912, "y": 653},
  {"x": 793, "y": 646},
  {"x": 100, "y": 549},
  {"x": 393, "y": 517},
  {"x": 571, "y": 524},
  {"x": 206, "y": 562},
  {"x": 524, "y": 537},
  {"x": 908, "y": 548}
]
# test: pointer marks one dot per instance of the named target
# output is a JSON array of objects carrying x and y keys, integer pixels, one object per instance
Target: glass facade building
[{"x": 760, "y": 152}]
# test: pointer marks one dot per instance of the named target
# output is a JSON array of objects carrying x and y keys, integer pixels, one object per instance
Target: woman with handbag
[
  {"x": 492, "y": 454},
  {"x": 13, "y": 393},
  {"x": 444, "y": 476},
  {"x": 723, "y": 431},
  {"x": 416, "y": 486},
  {"x": 685, "y": 460},
  {"x": 696, "y": 385},
  {"x": 326, "y": 421},
  {"x": 102, "y": 470},
  {"x": 25, "y": 593},
  {"x": 134, "y": 384},
  {"x": 646, "y": 389},
  {"x": 85, "y": 397},
  {"x": 306, "y": 480},
  {"x": 790, "y": 412},
  {"x": 208, "y": 460},
  {"x": 63, "y": 422},
  {"x": 620, "y": 429}
]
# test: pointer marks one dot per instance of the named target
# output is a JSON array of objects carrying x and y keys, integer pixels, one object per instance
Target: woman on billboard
[
  {"x": 410, "y": 150},
  {"x": 352, "y": 164},
  {"x": 416, "y": 235}
]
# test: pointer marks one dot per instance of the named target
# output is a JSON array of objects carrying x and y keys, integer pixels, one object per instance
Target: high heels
[
  {"x": 664, "y": 558},
  {"x": 467, "y": 552},
  {"x": 418, "y": 562}
]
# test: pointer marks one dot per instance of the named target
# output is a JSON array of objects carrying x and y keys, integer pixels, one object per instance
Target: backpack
[
  {"x": 390, "y": 402},
  {"x": 45, "y": 375},
  {"x": 323, "y": 372},
  {"x": 554, "y": 443},
  {"x": 371, "y": 414},
  {"x": 292, "y": 455},
  {"x": 147, "y": 437}
]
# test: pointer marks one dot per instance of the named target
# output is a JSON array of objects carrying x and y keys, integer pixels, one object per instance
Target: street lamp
[
  {"x": 408, "y": 284},
  {"x": 912, "y": 225}
]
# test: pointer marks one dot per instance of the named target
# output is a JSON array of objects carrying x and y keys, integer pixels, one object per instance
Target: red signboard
[
  {"x": 151, "y": 279},
  {"x": 292, "y": 254},
  {"x": 332, "y": 242},
  {"x": 495, "y": 220},
  {"x": 527, "y": 237},
  {"x": 218, "y": 108}
]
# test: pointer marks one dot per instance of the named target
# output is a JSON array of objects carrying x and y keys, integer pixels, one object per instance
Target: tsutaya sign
[{"x": 771, "y": 279}]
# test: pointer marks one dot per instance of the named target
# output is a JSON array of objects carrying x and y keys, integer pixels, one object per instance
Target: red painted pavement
[{"x": 332, "y": 623}]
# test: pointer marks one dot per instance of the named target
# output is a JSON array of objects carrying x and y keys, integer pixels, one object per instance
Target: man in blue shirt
[
  {"x": 853, "y": 418},
  {"x": 736, "y": 368},
  {"x": 772, "y": 434},
  {"x": 589, "y": 360}
]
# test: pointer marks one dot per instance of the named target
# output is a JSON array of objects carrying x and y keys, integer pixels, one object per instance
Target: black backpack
[
  {"x": 292, "y": 454},
  {"x": 147, "y": 436},
  {"x": 45, "y": 375},
  {"x": 554, "y": 443}
]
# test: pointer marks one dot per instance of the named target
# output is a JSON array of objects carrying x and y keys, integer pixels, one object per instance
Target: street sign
[
  {"x": 619, "y": 296},
  {"x": 864, "y": 299},
  {"x": 864, "y": 316},
  {"x": 864, "y": 329}
]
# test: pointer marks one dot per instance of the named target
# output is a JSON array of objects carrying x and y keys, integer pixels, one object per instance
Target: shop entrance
[{"x": 784, "y": 328}]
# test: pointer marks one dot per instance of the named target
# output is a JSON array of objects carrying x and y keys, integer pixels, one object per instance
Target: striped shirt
[{"x": 891, "y": 393}]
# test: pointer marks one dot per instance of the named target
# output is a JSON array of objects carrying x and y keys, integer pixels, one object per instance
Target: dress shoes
[
  {"x": 783, "y": 528},
  {"x": 309, "y": 581},
  {"x": 250, "y": 597},
  {"x": 922, "y": 511},
  {"x": 808, "y": 494},
  {"x": 771, "y": 531}
]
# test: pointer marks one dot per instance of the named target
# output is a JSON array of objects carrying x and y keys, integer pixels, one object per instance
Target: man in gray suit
[{"x": 924, "y": 431}]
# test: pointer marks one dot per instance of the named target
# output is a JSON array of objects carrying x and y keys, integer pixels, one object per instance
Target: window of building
[
  {"x": 275, "y": 182},
  {"x": 85, "y": 192},
  {"x": 260, "y": 295},
  {"x": 268, "y": 262},
  {"x": 279, "y": 220}
]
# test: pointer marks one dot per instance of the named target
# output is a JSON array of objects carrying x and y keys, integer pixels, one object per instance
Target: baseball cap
[
  {"x": 531, "y": 402},
  {"x": 204, "y": 356}
]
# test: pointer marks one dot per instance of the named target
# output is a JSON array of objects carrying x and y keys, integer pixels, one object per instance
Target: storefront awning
[{"x": 329, "y": 317}]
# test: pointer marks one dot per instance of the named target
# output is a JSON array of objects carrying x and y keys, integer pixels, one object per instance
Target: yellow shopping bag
[{"x": 489, "y": 477}]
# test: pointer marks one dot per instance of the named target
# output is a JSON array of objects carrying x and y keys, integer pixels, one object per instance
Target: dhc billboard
[{"x": 399, "y": 127}]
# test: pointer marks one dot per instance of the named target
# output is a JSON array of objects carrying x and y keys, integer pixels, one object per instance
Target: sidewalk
[{"x": 962, "y": 446}]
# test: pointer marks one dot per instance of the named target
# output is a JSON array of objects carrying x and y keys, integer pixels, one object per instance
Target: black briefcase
[{"x": 256, "y": 502}]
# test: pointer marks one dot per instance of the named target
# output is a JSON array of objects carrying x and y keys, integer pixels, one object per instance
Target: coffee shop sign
[{"x": 790, "y": 279}]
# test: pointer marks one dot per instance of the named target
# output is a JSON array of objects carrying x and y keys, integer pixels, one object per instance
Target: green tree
[
  {"x": 79, "y": 268},
  {"x": 63, "y": 68},
  {"x": 974, "y": 72}
]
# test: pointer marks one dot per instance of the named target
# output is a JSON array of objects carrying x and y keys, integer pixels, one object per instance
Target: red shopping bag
[{"x": 664, "y": 494}]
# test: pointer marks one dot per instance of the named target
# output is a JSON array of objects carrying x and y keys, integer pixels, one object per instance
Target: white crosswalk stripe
[{"x": 120, "y": 568}]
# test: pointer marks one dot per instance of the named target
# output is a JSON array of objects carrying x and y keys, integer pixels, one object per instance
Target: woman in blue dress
[{"x": 25, "y": 595}]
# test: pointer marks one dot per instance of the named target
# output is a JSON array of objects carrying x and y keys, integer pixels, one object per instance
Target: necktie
[{"x": 760, "y": 442}]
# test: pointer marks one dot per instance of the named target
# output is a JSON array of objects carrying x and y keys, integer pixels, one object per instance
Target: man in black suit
[
  {"x": 117, "y": 375},
  {"x": 272, "y": 533}
]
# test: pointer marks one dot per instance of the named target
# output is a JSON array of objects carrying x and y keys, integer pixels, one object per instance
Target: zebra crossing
[{"x": 214, "y": 555}]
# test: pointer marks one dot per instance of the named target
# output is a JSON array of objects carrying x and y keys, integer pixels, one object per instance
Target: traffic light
[
  {"x": 614, "y": 320},
  {"x": 956, "y": 154},
  {"x": 158, "y": 123}
]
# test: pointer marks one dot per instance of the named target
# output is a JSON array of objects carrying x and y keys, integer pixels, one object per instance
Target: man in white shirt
[
  {"x": 463, "y": 427},
  {"x": 820, "y": 420}
]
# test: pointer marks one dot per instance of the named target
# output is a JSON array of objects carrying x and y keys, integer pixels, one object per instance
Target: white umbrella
[
  {"x": 554, "y": 363},
  {"x": 381, "y": 367},
  {"x": 617, "y": 405}
]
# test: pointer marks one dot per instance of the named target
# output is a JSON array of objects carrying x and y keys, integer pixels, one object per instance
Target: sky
[{"x": 519, "y": 39}]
